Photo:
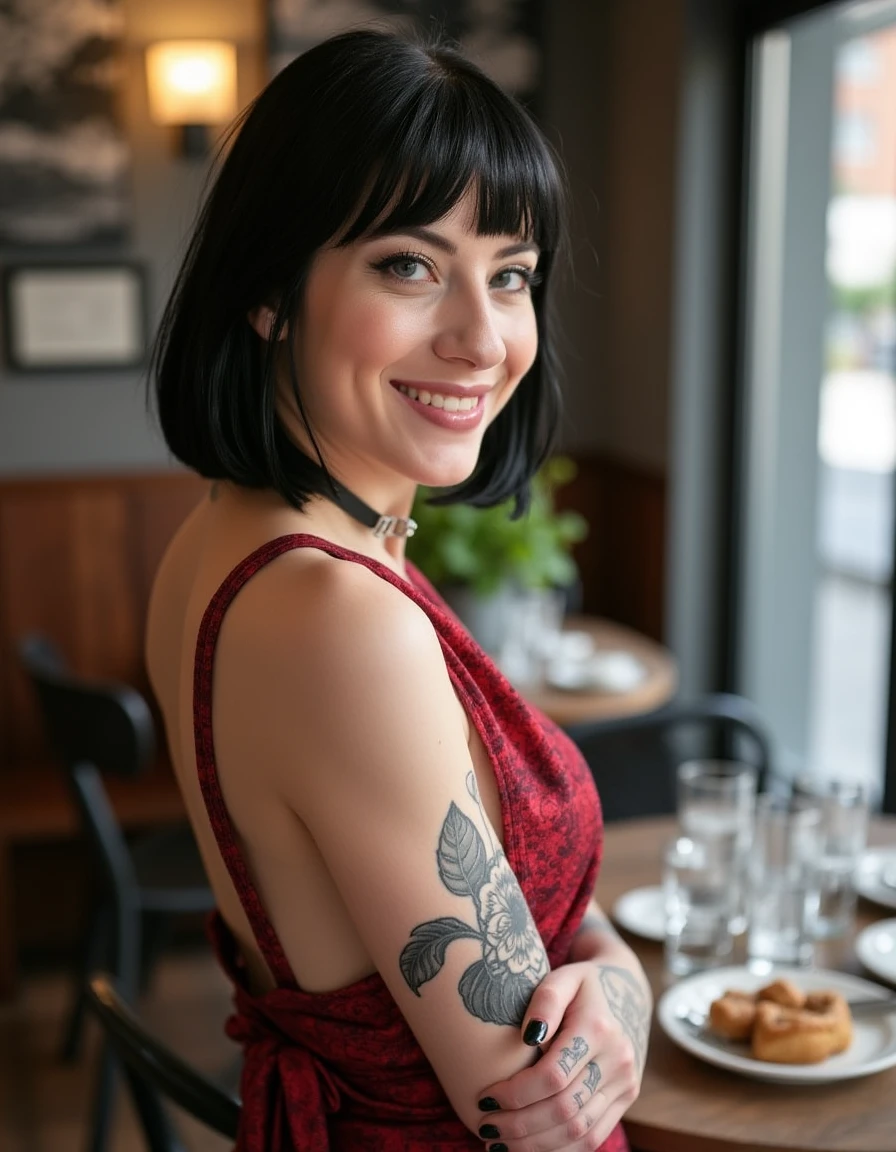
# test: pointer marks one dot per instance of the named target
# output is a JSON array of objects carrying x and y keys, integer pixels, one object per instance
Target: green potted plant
[{"x": 479, "y": 558}]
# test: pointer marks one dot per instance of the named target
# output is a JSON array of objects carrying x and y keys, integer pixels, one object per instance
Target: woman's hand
[{"x": 590, "y": 1021}]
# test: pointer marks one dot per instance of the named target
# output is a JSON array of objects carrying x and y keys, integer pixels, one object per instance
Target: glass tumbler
[{"x": 716, "y": 802}]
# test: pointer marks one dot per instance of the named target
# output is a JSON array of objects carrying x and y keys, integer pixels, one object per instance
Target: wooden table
[
  {"x": 687, "y": 1105},
  {"x": 657, "y": 688}
]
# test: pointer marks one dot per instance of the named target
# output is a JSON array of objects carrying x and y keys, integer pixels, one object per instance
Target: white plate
[
  {"x": 868, "y": 876},
  {"x": 873, "y": 1046},
  {"x": 603, "y": 672},
  {"x": 876, "y": 948},
  {"x": 641, "y": 911}
]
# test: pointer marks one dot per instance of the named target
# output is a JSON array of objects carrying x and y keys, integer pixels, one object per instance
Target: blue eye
[
  {"x": 407, "y": 266},
  {"x": 518, "y": 279}
]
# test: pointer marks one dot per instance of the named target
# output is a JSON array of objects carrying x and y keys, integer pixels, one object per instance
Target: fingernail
[
  {"x": 536, "y": 1030},
  {"x": 489, "y": 1104},
  {"x": 489, "y": 1132},
  {"x": 497, "y": 1148}
]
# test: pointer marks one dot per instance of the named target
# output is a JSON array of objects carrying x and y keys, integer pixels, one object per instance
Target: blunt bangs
[{"x": 450, "y": 140}]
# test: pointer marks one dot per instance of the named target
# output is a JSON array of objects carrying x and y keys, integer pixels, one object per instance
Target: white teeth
[{"x": 448, "y": 403}]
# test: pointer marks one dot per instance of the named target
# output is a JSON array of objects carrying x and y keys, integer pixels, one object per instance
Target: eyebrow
[{"x": 428, "y": 236}]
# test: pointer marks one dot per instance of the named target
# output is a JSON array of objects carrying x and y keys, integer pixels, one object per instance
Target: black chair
[
  {"x": 633, "y": 759},
  {"x": 97, "y": 729},
  {"x": 153, "y": 1070}
]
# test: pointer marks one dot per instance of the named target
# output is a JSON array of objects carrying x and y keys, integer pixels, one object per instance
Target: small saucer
[
  {"x": 642, "y": 912},
  {"x": 873, "y": 876},
  {"x": 876, "y": 948}
]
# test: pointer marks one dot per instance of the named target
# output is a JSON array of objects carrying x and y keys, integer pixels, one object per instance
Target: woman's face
[{"x": 410, "y": 344}]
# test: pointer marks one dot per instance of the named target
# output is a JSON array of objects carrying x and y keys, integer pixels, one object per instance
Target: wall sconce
[{"x": 192, "y": 84}]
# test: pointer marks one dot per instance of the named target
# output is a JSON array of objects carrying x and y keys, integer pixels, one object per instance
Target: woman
[{"x": 402, "y": 851}]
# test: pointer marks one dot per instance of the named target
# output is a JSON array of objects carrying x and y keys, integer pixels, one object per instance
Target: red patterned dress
[{"x": 342, "y": 1070}]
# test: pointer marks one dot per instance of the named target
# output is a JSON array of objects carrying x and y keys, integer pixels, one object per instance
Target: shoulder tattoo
[{"x": 497, "y": 988}]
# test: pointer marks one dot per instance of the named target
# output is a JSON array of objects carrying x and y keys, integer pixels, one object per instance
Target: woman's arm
[
  {"x": 347, "y": 708},
  {"x": 590, "y": 1020}
]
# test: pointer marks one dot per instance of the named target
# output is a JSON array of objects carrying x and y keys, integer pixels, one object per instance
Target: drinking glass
[
  {"x": 716, "y": 807},
  {"x": 844, "y": 832},
  {"x": 786, "y": 846},
  {"x": 696, "y": 906}
]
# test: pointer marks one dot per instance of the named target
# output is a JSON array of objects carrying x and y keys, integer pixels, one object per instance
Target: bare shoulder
[
  {"x": 313, "y": 609},
  {"x": 326, "y": 654}
]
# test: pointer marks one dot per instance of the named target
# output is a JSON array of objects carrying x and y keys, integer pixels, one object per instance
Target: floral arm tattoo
[{"x": 497, "y": 988}]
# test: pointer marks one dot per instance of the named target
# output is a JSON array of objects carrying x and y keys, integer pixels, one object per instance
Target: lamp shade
[{"x": 191, "y": 81}]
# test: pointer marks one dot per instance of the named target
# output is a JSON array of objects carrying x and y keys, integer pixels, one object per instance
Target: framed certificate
[{"x": 74, "y": 317}]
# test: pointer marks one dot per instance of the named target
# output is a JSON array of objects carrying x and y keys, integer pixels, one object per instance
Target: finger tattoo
[
  {"x": 569, "y": 1057},
  {"x": 589, "y": 1084}
]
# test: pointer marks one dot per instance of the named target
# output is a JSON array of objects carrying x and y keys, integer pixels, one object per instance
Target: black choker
[{"x": 383, "y": 526}]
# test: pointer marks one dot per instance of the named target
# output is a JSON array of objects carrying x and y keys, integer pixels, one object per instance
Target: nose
[{"x": 468, "y": 331}]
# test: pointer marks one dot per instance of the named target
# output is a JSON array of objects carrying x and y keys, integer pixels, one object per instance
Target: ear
[{"x": 262, "y": 320}]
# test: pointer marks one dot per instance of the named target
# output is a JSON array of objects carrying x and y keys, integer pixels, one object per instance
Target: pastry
[
  {"x": 807, "y": 1035},
  {"x": 733, "y": 1014},
  {"x": 782, "y": 992},
  {"x": 783, "y": 1024}
]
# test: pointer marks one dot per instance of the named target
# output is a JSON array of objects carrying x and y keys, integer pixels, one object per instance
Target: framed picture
[
  {"x": 65, "y": 157},
  {"x": 74, "y": 317}
]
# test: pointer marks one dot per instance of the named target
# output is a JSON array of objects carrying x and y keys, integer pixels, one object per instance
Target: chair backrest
[
  {"x": 153, "y": 1069},
  {"x": 102, "y": 722},
  {"x": 97, "y": 728},
  {"x": 633, "y": 759}
]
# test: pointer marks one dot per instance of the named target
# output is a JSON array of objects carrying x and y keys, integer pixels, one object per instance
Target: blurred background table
[
  {"x": 657, "y": 687},
  {"x": 687, "y": 1105}
]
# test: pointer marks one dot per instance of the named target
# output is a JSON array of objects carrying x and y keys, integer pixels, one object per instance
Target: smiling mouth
[{"x": 437, "y": 400}]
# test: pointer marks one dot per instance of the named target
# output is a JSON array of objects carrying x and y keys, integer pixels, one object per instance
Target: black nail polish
[
  {"x": 536, "y": 1030},
  {"x": 489, "y": 1104},
  {"x": 489, "y": 1132},
  {"x": 497, "y": 1148}
]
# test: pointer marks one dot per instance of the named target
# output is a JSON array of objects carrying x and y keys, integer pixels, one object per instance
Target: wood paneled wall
[{"x": 77, "y": 558}]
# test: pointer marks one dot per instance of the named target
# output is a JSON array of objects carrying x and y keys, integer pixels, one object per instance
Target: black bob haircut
[{"x": 364, "y": 134}]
